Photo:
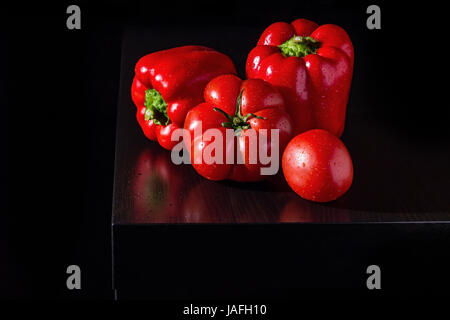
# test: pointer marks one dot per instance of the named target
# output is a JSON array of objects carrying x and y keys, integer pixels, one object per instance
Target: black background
[{"x": 59, "y": 106}]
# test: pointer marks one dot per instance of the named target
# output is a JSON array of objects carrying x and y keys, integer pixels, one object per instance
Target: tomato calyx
[
  {"x": 237, "y": 122},
  {"x": 299, "y": 46},
  {"x": 155, "y": 107}
]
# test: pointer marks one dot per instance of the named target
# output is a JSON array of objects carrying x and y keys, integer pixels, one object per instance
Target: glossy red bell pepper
[
  {"x": 312, "y": 66},
  {"x": 168, "y": 83}
]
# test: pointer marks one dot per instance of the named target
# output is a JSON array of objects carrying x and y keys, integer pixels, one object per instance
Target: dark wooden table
[{"x": 397, "y": 179}]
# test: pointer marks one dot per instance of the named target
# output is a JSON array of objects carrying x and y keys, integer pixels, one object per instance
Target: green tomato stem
[{"x": 237, "y": 122}]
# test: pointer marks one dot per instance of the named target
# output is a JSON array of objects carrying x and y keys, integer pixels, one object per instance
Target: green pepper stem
[
  {"x": 155, "y": 107},
  {"x": 299, "y": 46}
]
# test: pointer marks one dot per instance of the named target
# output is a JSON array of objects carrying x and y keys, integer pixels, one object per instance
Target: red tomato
[
  {"x": 317, "y": 166},
  {"x": 246, "y": 104}
]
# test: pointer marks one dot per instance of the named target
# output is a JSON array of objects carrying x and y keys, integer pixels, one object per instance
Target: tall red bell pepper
[
  {"x": 312, "y": 66},
  {"x": 168, "y": 83}
]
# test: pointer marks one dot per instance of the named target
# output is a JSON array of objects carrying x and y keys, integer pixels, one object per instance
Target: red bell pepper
[
  {"x": 233, "y": 104},
  {"x": 312, "y": 66},
  {"x": 168, "y": 83}
]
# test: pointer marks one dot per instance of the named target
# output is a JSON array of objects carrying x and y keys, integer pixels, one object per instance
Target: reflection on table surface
[{"x": 151, "y": 189}]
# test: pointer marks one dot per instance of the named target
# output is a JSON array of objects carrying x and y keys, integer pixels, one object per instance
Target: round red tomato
[
  {"x": 317, "y": 166},
  {"x": 250, "y": 109}
]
